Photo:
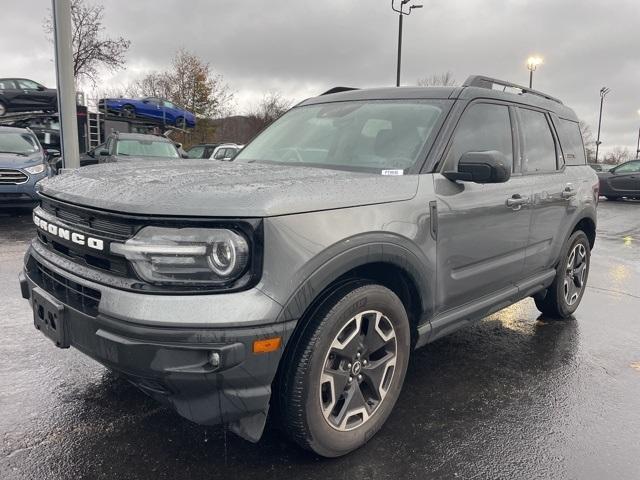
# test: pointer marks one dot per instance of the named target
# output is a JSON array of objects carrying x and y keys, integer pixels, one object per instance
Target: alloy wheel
[
  {"x": 358, "y": 370},
  {"x": 576, "y": 271}
]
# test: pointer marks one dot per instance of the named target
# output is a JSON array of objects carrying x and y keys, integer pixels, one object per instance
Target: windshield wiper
[{"x": 16, "y": 153}]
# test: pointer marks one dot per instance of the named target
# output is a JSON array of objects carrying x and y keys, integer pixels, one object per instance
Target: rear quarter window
[{"x": 571, "y": 140}]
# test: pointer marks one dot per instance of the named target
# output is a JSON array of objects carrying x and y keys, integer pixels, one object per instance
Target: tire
[
  {"x": 563, "y": 296},
  {"x": 321, "y": 409},
  {"x": 128, "y": 111},
  {"x": 180, "y": 123},
  {"x": 3, "y": 109},
  {"x": 612, "y": 198}
]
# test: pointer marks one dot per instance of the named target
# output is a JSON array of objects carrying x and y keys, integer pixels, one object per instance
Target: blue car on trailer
[{"x": 150, "y": 107}]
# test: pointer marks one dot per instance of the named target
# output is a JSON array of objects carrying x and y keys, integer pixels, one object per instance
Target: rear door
[
  {"x": 483, "y": 229},
  {"x": 551, "y": 202},
  {"x": 9, "y": 94}
]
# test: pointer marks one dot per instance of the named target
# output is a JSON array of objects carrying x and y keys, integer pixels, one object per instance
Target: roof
[
  {"x": 474, "y": 87},
  {"x": 14, "y": 130}
]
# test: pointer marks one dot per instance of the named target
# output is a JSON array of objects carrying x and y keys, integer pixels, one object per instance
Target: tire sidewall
[
  {"x": 3, "y": 109},
  {"x": 326, "y": 440},
  {"x": 566, "y": 309}
]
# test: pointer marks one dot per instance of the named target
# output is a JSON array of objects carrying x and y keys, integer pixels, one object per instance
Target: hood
[
  {"x": 12, "y": 160},
  {"x": 217, "y": 189}
]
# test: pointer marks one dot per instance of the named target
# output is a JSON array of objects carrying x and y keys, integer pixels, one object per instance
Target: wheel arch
[{"x": 587, "y": 224}]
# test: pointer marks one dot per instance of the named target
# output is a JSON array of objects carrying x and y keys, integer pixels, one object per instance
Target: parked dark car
[
  {"x": 150, "y": 107},
  {"x": 23, "y": 163},
  {"x": 300, "y": 277},
  {"x": 621, "y": 181},
  {"x": 132, "y": 146},
  {"x": 203, "y": 150},
  {"x": 23, "y": 95}
]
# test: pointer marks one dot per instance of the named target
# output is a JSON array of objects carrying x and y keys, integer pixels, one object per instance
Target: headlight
[
  {"x": 186, "y": 256},
  {"x": 35, "y": 169}
]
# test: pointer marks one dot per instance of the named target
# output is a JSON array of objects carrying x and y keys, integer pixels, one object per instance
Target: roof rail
[
  {"x": 488, "y": 82},
  {"x": 338, "y": 90}
]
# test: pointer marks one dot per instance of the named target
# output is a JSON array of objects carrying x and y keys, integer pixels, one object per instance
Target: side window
[
  {"x": 7, "y": 85},
  {"x": 631, "y": 167},
  {"x": 482, "y": 128},
  {"x": 27, "y": 85},
  {"x": 539, "y": 146},
  {"x": 571, "y": 140},
  {"x": 219, "y": 155}
]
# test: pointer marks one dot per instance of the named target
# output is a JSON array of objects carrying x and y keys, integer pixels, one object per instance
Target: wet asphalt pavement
[{"x": 514, "y": 397}]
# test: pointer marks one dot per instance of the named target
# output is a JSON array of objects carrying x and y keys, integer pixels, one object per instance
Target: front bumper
[{"x": 172, "y": 362}]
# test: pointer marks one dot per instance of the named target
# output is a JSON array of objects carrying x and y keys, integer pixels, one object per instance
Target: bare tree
[
  {"x": 437, "y": 80},
  {"x": 92, "y": 50},
  {"x": 272, "y": 105},
  {"x": 589, "y": 141},
  {"x": 617, "y": 155}
]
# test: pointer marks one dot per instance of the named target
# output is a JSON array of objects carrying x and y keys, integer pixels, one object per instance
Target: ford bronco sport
[{"x": 362, "y": 224}]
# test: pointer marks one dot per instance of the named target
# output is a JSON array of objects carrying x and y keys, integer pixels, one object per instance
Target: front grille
[
  {"x": 73, "y": 294},
  {"x": 12, "y": 177},
  {"x": 91, "y": 221}
]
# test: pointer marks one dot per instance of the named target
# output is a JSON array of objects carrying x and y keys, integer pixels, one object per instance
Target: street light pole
[
  {"x": 603, "y": 93},
  {"x": 65, "y": 84},
  {"x": 401, "y": 13},
  {"x": 532, "y": 64}
]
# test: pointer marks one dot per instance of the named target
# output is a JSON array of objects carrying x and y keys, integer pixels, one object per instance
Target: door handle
[
  {"x": 568, "y": 192},
  {"x": 516, "y": 201}
]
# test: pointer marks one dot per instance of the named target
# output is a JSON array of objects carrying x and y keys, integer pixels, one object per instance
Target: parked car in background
[
  {"x": 23, "y": 163},
  {"x": 601, "y": 167},
  {"x": 23, "y": 95},
  {"x": 150, "y": 107},
  {"x": 203, "y": 150},
  {"x": 135, "y": 146},
  {"x": 226, "y": 152},
  {"x": 621, "y": 181}
]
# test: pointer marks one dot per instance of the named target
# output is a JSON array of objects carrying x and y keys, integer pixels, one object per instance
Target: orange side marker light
[{"x": 267, "y": 345}]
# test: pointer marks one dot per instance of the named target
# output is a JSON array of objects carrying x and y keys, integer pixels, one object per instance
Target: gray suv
[{"x": 297, "y": 279}]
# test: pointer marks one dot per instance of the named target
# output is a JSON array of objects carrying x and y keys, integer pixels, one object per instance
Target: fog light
[{"x": 214, "y": 359}]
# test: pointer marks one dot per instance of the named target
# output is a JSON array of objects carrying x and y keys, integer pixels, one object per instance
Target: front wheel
[
  {"x": 346, "y": 371},
  {"x": 563, "y": 296}
]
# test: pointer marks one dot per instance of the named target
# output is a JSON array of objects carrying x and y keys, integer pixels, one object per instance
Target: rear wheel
[
  {"x": 345, "y": 373},
  {"x": 563, "y": 296},
  {"x": 3, "y": 109}
]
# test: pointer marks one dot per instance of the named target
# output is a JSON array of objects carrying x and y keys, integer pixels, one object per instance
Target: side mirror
[
  {"x": 184, "y": 155},
  {"x": 482, "y": 167},
  {"x": 52, "y": 152},
  {"x": 41, "y": 88},
  {"x": 104, "y": 153}
]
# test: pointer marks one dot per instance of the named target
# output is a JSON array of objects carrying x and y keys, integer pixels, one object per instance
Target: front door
[
  {"x": 625, "y": 179},
  {"x": 483, "y": 229}
]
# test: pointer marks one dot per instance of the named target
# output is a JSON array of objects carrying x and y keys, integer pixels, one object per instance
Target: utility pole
[
  {"x": 603, "y": 93},
  {"x": 401, "y": 13},
  {"x": 65, "y": 83}
]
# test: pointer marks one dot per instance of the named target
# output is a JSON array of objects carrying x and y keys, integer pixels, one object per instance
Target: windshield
[
  {"x": 146, "y": 148},
  {"x": 371, "y": 136},
  {"x": 18, "y": 143}
]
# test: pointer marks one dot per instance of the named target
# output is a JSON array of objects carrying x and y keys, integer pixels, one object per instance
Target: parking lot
[{"x": 515, "y": 396}]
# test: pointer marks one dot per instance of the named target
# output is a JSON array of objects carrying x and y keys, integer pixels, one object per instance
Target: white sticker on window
[{"x": 392, "y": 172}]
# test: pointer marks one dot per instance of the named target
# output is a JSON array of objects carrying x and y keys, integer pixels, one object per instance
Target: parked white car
[{"x": 226, "y": 152}]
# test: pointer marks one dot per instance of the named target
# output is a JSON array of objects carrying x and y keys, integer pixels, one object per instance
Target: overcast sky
[{"x": 304, "y": 47}]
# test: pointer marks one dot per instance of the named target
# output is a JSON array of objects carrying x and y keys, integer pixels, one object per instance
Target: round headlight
[{"x": 223, "y": 257}]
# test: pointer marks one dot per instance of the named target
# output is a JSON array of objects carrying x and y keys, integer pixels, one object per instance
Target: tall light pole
[
  {"x": 532, "y": 64},
  {"x": 603, "y": 93},
  {"x": 65, "y": 83},
  {"x": 402, "y": 11}
]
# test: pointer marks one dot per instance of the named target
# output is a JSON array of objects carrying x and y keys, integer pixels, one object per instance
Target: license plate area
[{"x": 49, "y": 317}]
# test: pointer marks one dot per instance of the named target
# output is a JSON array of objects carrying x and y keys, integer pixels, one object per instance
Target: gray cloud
[{"x": 303, "y": 47}]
